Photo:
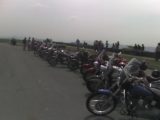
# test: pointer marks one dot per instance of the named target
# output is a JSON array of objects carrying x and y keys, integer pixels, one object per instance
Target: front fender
[{"x": 104, "y": 91}]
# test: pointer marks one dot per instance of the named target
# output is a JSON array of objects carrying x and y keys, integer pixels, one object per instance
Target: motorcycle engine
[
  {"x": 116, "y": 73},
  {"x": 141, "y": 102}
]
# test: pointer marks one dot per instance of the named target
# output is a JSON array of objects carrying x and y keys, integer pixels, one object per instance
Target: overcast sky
[{"x": 127, "y": 21}]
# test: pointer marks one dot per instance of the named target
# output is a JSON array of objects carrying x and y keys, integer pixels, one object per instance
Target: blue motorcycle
[{"x": 129, "y": 90}]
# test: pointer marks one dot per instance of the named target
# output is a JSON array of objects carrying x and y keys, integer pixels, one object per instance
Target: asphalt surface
[{"x": 30, "y": 89}]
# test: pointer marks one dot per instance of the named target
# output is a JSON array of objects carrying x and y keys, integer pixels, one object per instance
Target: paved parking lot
[{"x": 30, "y": 89}]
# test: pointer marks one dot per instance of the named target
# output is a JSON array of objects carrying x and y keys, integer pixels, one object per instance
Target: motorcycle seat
[
  {"x": 153, "y": 79},
  {"x": 156, "y": 91}
]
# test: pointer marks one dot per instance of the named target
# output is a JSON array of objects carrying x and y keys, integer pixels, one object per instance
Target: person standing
[
  {"x": 78, "y": 44},
  {"x": 135, "y": 49},
  {"x": 29, "y": 44},
  {"x": 142, "y": 49},
  {"x": 32, "y": 43},
  {"x": 107, "y": 44},
  {"x": 157, "y": 57},
  {"x": 24, "y": 43},
  {"x": 139, "y": 49},
  {"x": 113, "y": 47}
]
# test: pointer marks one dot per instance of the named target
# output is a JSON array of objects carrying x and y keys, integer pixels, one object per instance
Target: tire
[
  {"x": 35, "y": 53},
  {"x": 53, "y": 62},
  {"x": 73, "y": 67},
  {"x": 94, "y": 84},
  {"x": 86, "y": 75},
  {"x": 45, "y": 57},
  {"x": 82, "y": 70},
  {"x": 131, "y": 105},
  {"x": 101, "y": 104}
]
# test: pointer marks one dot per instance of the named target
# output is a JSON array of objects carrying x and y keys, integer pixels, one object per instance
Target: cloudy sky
[{"x": 127, "y": 21}]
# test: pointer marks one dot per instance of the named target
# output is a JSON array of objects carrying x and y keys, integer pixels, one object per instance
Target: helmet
[
  {"x": 156, "y": 73},
  {"x": 143, "y": 65}
]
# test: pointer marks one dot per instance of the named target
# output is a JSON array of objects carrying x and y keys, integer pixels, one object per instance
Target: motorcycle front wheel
[
  {"x": 73, "y": 66},
  {"x": 53, "y": 62},
  {"x": 101, "y": 104}
]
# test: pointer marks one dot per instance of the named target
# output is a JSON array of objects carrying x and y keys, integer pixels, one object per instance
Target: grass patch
[{"x": 151, "y": 61}]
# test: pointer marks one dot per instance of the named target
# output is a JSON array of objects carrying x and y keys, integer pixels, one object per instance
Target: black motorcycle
[
  {"x": 73, "y": 62},
  {"x": 59, "y": 56}
]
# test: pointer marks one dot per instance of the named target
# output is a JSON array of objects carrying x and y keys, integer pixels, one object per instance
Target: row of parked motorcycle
[{"x": 111, "y": 80}]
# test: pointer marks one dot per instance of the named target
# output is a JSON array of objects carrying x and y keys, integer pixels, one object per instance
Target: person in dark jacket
[
  {"x": 24, "y": 43},
  {"x": 157, "y": 56}
]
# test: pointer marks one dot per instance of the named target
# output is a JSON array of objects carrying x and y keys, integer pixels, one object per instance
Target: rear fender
[
  {"x": 91, "y": 70},
  {"x": 54, "y": 57},
  {"x": 86, "y": 66}
]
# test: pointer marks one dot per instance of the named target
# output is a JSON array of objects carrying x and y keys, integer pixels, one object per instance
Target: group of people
[
  {"x": 13, "y": 41},
  {"x": 78, "y": 44},
  {"x": 28, "y": 43},
  {"x": 138, "y": 49},
  {"x": 98, "y": 45},
  {"x": 115, "y": 46}
]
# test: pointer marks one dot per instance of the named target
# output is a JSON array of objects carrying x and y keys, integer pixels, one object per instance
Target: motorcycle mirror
[
  {"x": 103, "y": 67},
  {"x": 120, "y": 53}
]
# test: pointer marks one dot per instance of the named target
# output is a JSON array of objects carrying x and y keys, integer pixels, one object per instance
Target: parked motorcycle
[
  {"x": 104, "y": 101},
  {"x": 117, "y": 61},
  {"x": 108, "y": 74},
  {"x": 59, "y": 56},
  {"x": 73, "y": 62}
]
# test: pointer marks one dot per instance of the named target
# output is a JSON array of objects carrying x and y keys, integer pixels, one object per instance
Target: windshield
[
  {"x": 99, "y": 57},
  {"x": 132, "y": 67}
]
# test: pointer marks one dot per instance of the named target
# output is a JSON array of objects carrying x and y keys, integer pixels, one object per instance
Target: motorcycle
[
  {"x": 85, "y": 66},
  {"x": 108, "y": 74},
  {"x": 73, "y": 62},
  {"x": 117, "y": 61},
  {"x": 59, "y": 56},
  {"x": 104, "y": 101}
]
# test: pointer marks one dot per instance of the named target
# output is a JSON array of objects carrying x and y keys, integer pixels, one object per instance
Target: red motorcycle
[{"x": 95, "y": 69}]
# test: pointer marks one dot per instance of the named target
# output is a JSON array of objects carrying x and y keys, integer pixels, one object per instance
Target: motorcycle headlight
[
  {"x": 96, "y": 63},
  {"x": 103, "y": 68}
]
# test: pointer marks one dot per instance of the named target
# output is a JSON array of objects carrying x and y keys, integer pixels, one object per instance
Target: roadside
[
  {"x": 31, "y": 89},
  {"x": 151, "y": 61}
]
